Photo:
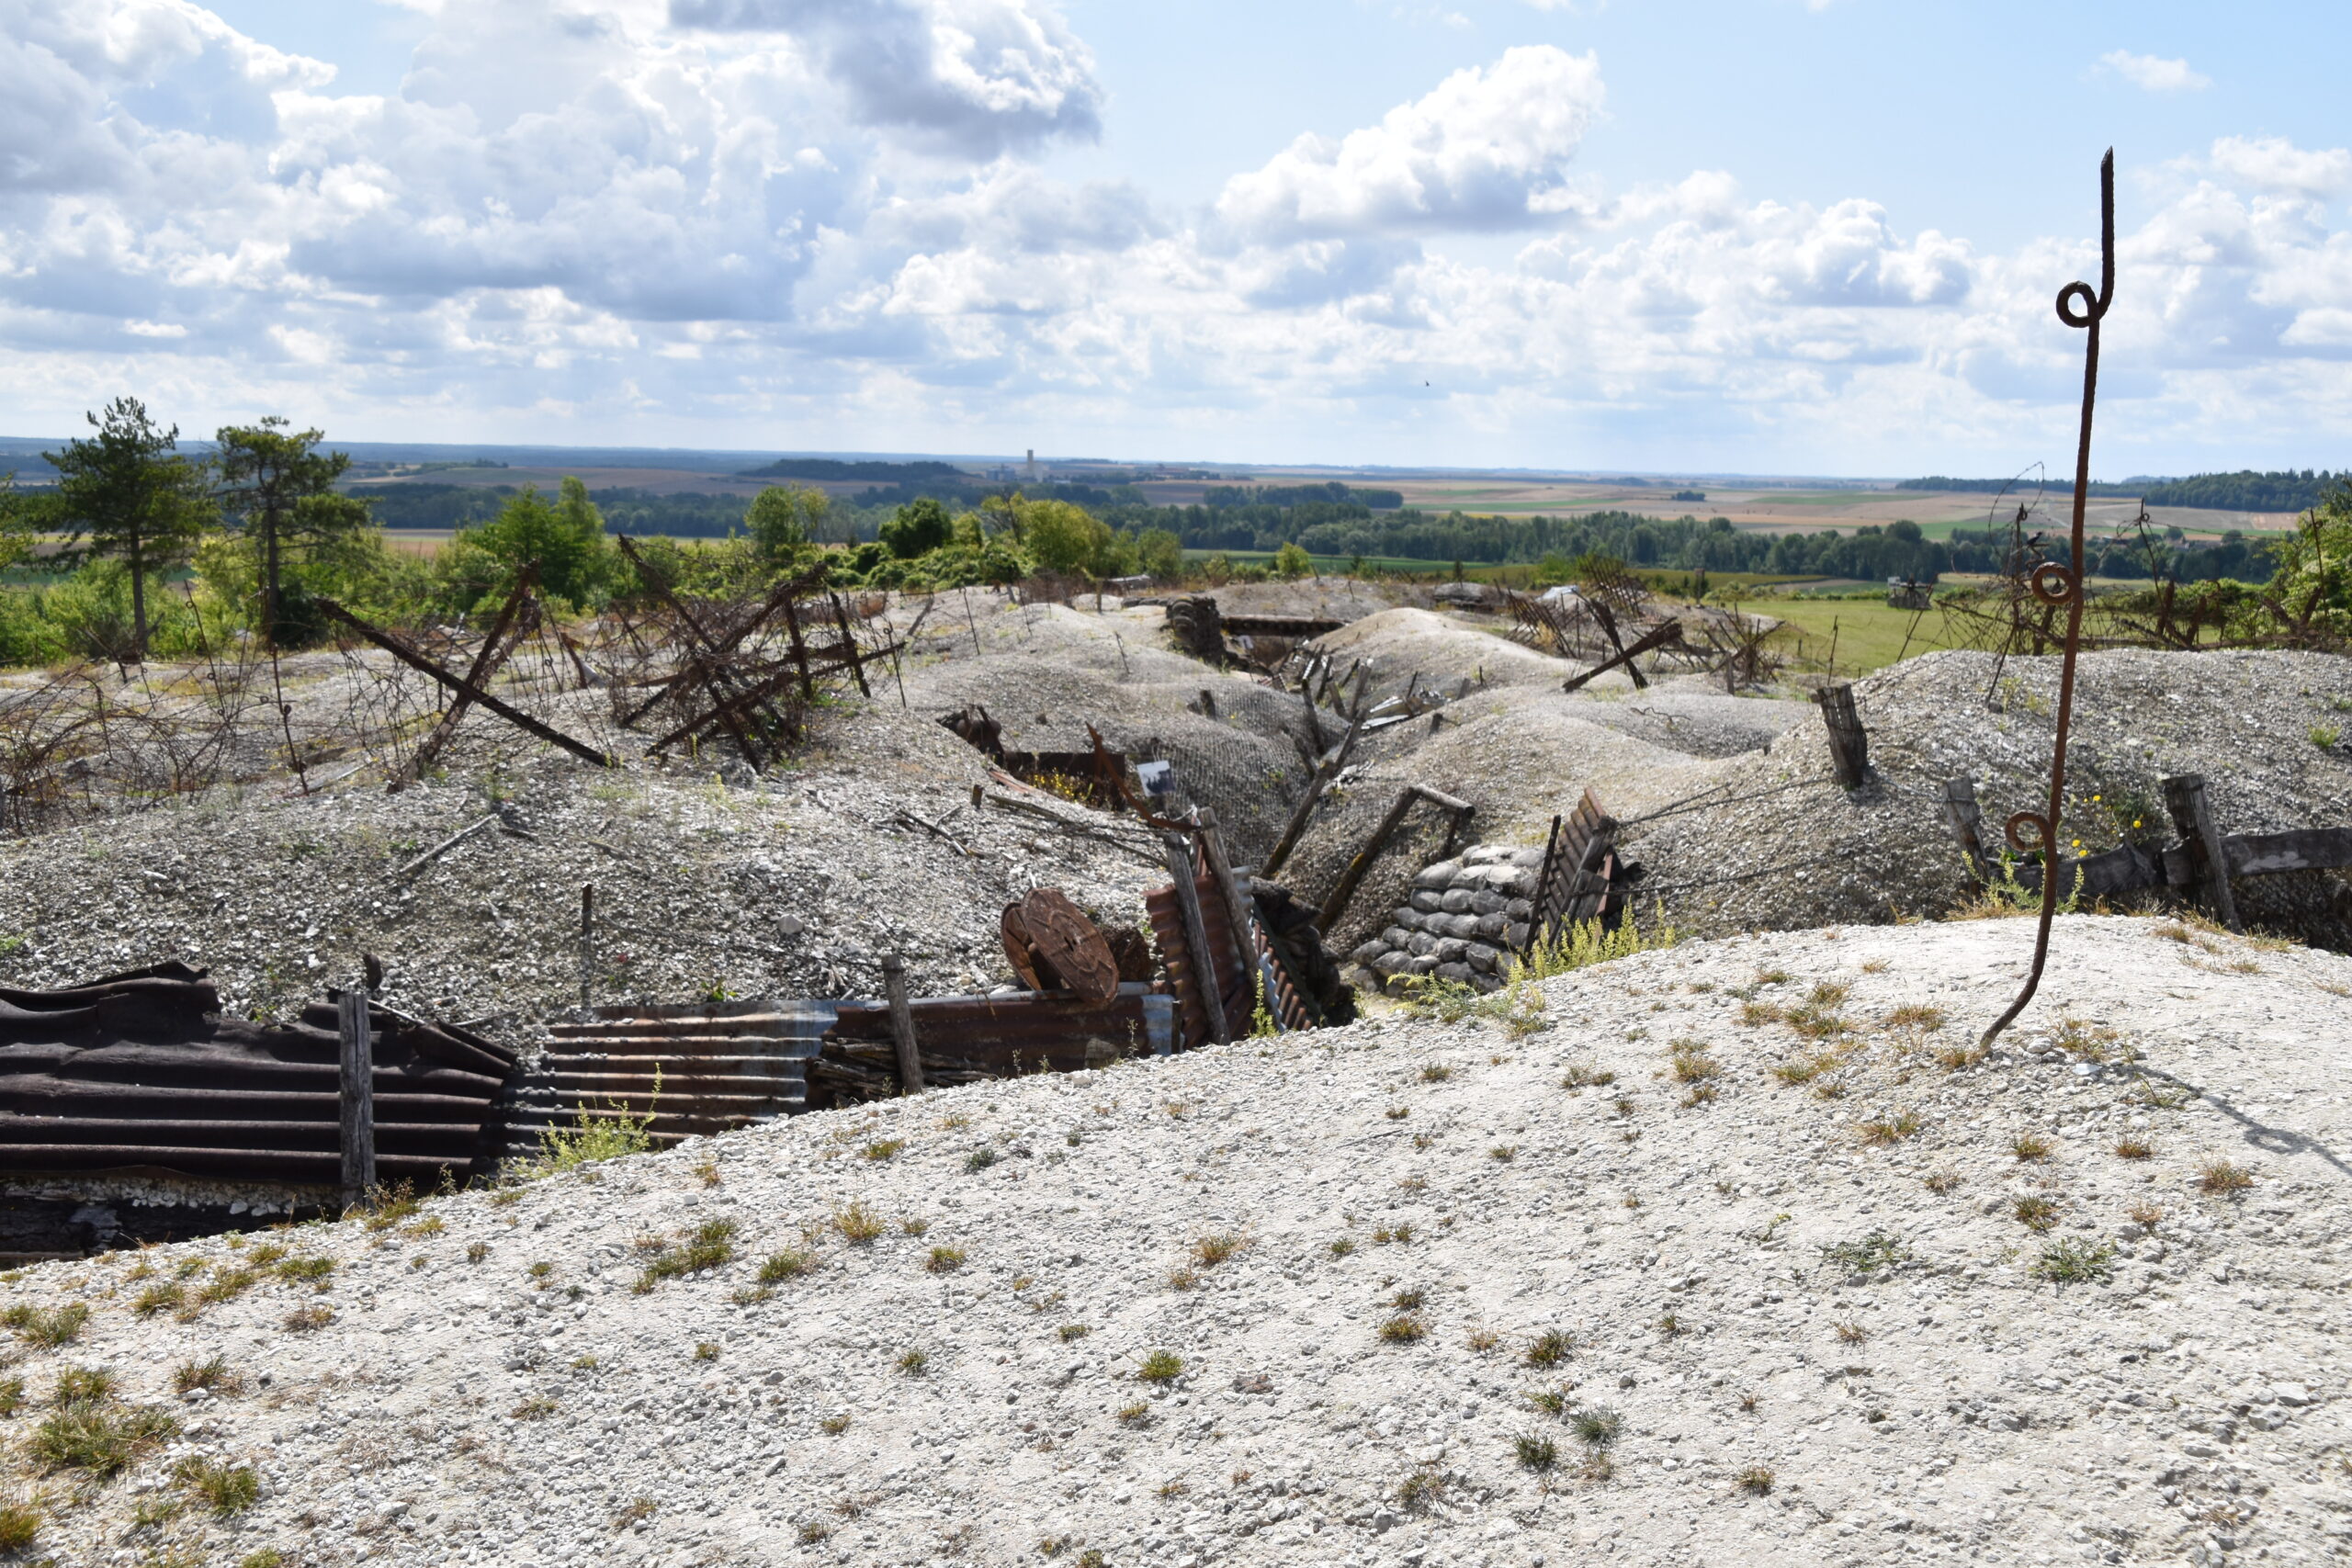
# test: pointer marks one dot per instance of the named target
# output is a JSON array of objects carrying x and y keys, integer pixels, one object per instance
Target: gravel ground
[
  {"x": 1048, "y": 670},
  {"x": 482, "y": 1384},
  {"x": 1787, "y": 848},
  {"x": 790, "y": 885}
]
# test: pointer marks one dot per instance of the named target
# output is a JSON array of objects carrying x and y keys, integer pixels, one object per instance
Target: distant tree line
[
  {"x": 836, "y": 470},
  {"x": 2245, "y": 491},
  {"x": 2028, "y": 484}
]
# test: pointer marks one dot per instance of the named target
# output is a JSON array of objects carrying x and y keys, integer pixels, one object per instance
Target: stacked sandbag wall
[{"x": 1466, "y": 918}]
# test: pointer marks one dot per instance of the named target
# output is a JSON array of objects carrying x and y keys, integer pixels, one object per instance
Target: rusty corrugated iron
[
  {"x": 139, "y": 1072},
  {"x": 692, "y": 1068}
]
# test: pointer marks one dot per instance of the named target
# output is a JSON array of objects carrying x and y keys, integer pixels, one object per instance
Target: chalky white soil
[{"x": 2189, "y": 1408}]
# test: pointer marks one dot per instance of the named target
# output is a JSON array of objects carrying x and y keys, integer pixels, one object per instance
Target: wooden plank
[
  {"x": 398, "y": 648},
  {"x": 1656, "y": 638},
  {"x": 2122, "y": 870},
  {"x": 1967, "y": 823},
  {"x": 1327, "y": 919},
  {"x": 493, "y": 653},
  {"x": 2310, "y": 848}
]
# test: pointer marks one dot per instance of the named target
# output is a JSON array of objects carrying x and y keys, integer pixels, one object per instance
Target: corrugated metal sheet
[
  {"x": 1237, "y": 983},
  {"x": 138, "y": 1072},
  {"x": 719, "y": 1067}
]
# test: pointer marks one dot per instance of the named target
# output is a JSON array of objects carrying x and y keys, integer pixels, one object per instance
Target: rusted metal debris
[
  {"x": 2061, "y": 587},
  {"x": 140, "y": 1073},
  {"x": 1053, "y": 946}
]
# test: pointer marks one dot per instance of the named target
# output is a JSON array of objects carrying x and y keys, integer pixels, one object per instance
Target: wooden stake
[
  {"x": 2192, "y": 818},
  {"x": 1849, "y": 746},
  {"x": 587, "y": 949},
  {"x": 358, "y": 1082},
  {"x": 902, "y": 1023},
  {"x": 1238, "y": 911}
]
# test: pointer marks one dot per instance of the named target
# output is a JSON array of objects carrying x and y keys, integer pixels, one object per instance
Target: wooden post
[
  {"x": 2192, "y": 819},
  {"x": 1196, "y": 935},
  {"x": 849, "y": 645},
  {"x": 1237, "y": 913},
  {"x": 1327, "y": 920},
  {"x": 1849, "y": 746},
  {"x": 1316, "y": 783},
  {"x": 1967, "y": 823},
  {"x": 799, "y": 652},
  {"x": 587, "y": 949},
  {"x": 358, "y": 1084},
  {"x": 902, "y": 1023}
]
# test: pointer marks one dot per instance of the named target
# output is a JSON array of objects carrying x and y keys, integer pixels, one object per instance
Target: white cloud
[
  {"x": 732, "y": 232},
  {"x": 2153, "y": 74},
  {"x": 2274, "y": 164},
  {"x": 1488, "y": 148}
]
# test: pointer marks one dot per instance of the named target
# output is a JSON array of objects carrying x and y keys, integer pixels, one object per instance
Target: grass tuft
[
  {"x": 1404, "y": 1329},
  {"x": 1756, "y": 1480},
  {"x": 1161, "y": 1367},
  {"x": 47, "y": 1327},
  {"x": 1535, "y": 1451},
  {"x": 1551, "y": 1347},
  {"x": 2031, "y": 1146},
  {"x": 1882, "y": 1131},
  {"x": 2220, "y": 1176},
  {"x": 944, "y": 1259},
  {"x": 1596, "y": 1427},
  {"x": 789, "y": 1264},
  {"x": 225, "y": 1489},
  {"x": 2072, "y": 1262}
]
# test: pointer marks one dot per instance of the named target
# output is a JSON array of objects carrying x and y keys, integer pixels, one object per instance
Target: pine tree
[{"x": 129, "y": 494}]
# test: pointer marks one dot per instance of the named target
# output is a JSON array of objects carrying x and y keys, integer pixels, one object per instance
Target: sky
[{"x": 1697, "y": 236}]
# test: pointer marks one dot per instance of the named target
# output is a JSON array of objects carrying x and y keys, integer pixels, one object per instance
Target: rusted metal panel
[
  {"x": 138, "y": 1072},
  {"x": 1235, "y": 984},
  {"x": 690, "y": 1068}
]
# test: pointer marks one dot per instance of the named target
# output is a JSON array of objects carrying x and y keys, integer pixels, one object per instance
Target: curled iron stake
[{"x": 2081, "y": 309}]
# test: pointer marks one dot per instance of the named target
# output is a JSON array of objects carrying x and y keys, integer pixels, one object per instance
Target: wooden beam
[
  {"x": 493, "y": 653},
  {"x": 1320, "y": 780},
  {"x": 398, "y": 648},
  {"x": 1196, "y": 935},
  {"x": 1656, "y": 638},
  {"x": 1967, "y": 824}
]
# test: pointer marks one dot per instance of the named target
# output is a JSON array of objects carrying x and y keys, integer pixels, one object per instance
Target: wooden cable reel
[{"x": 1052, "y": 946}]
